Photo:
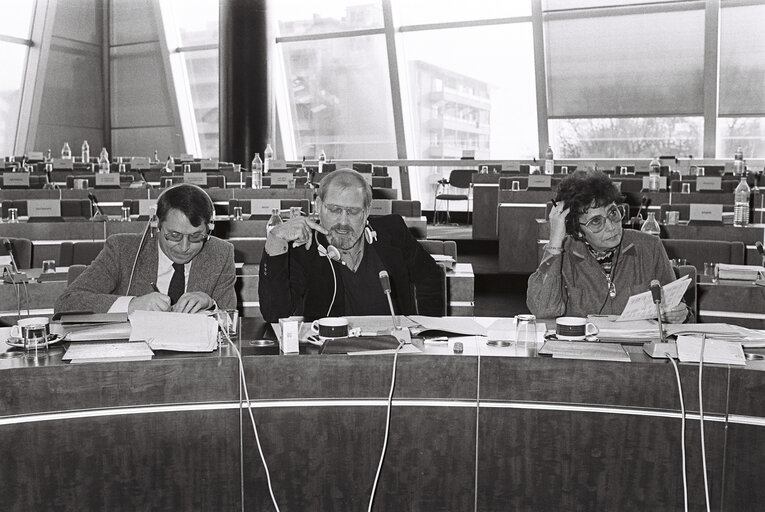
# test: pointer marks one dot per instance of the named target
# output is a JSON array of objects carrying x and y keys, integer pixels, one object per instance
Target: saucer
[
  {"x": 19, "y": 343},
  {"x": 553, "y": 336}
]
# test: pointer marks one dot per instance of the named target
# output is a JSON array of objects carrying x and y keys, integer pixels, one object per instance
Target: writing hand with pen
[{"x": 189, "y": 302}]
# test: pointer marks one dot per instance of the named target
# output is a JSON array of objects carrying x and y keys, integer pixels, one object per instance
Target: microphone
[
  {"x": 402, "y": 334},
  {"x": 12, "y": 275},
  {"x": 655, "y": 288},
  {"x": 98, "y": 216}
]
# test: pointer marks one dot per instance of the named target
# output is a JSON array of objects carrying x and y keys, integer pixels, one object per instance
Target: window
[
  {"x": 191, "y": 29},
  {"x": 308, "y": 17},
  {"x": 15, "y": 25},
  {"x": 742, "y": 81},
  {"x": 445, "y": 11}
]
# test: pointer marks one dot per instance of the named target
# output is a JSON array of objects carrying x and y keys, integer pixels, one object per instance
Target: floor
[{"x": 496, "y": 294}]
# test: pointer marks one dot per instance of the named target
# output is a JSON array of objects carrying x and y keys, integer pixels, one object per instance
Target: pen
[{"x": 555, "y": 203}]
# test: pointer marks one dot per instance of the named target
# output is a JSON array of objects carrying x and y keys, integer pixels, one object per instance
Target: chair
[
  {"x": 22, "y": 251},
  {"x": 79, "y": 253},
  {"x": 458, "y": 179},
  {"x": 696, "y": 252}
]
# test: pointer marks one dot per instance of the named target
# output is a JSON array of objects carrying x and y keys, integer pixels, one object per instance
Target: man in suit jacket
[
  {"x": 331, "y": 268},
  {"x": 180, "y": 268}
]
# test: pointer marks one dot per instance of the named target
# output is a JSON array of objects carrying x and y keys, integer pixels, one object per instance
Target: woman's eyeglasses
[
  {"x": 596, "y": 224},
  {"x": 194, "y": 238}
]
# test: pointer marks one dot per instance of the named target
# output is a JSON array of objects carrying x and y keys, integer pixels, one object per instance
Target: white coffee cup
[
  {"x": 330, "y": 327},
  {"x": 31, "y": 330},
  {"x": 574, "y": 328}
]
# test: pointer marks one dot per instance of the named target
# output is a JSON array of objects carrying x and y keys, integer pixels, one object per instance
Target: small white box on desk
[{"x": 289, "y": 342}]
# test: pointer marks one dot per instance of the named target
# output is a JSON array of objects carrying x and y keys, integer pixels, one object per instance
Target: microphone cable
[
  {"x": 252, "y": 418},
  {"x": 135, "y": 260},
  {"x": 701, "y": 421},
  {"x": 387, "y": 427},
  {"x": 334, "y": 274},
  {"x": 682, "y": 428}
]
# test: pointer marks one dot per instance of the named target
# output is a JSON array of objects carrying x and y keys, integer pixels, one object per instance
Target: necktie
[{"x": 177, "y": 283}]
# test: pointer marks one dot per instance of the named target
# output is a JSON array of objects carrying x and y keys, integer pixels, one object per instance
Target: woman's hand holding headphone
[{"x": 558, "y": 216}]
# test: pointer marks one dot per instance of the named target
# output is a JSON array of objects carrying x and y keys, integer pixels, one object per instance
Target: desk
[{"x": 552, "y": 434}]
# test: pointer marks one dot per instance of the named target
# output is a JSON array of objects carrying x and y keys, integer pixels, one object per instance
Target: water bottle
[
  {"x": 549, "y": 162},
  {"x": 257, "y": 172},
  {"x": 66, "y": 151},
  {"x": 85, "y": 152},
  {"x": 48, "y": 156},
  {"x": 268, "y": 155},
  {"x": 738, "y": 162},
  {"x": 741, "y": 203},
  {"x": 103, "y": 162},
  {"x": 156, "y": 156},
  {"x": 322, "y": 159},
  {"x": 651, "y": 226},
  {"x": 654, "y": 171},
  {"x": 275, "y": 220}
]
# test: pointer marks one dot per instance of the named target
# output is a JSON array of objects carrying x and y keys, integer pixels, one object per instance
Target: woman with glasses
[
  {"x": 175, "y": 266},
  {"x": 591, "y": 264}
]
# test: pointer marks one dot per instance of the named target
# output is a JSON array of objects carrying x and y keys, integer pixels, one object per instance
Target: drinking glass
[
  {"x": 238, "y": 213},
  {"x": 49, "y": 266},
  {"x": 700, "y": 171},
  {"x": 526, "y": 334},
  {"x": 685, "y": 188},
  {"x": 515, "y": 186},
  {"x": 186, "y": 168},
  {"x": 125, "y": 212},
  {"x": 13, "y": 215}
]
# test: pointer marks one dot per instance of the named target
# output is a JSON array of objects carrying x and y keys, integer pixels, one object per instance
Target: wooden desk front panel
[{"x": 485, "y": 195}]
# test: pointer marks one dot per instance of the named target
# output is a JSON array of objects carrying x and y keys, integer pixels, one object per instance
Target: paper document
[
  {"x": 108, "y": 352},
  {"x": 448, "y": 324},
  {"x": 610, "y": 329},
  {"x": 641, "y": 306},
  {"x": 715, "y": 350},
  {"x": 119, "y": 331},
  {"x": 184, "y": 332},
  {"x": 585, "y": 350},
  {"x": 732, "y": 333},
  {"x": 739, "y": 272}
]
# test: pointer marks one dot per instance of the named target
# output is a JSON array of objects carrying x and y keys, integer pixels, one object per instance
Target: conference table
[{"x": 474, "y": 431}]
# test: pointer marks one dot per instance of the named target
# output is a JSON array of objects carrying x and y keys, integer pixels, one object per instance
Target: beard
[{"x": 343, "y": 236}]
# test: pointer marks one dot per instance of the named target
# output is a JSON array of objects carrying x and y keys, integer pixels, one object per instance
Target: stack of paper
[
  {"x": 635, "y": 331},
  {"x": 108, "y": 352},
  {"x": 442, "y": 259},
  {"x": 585, "y": 350},
  {"x": 184, "y": 332},
  {"x": 738, "y": 272},
  {"x": 715, "y": 350},
  {"x": 726, "y": 332}
]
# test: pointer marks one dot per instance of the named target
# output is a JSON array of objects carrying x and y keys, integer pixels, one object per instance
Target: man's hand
[
  {"x": 192, "y": 302},
  {"x": 676, "y": 315},
  {"x": 299, "y": 231},
  {"x": 153, "y": 301},
  {"x": 558, "y": 216}
]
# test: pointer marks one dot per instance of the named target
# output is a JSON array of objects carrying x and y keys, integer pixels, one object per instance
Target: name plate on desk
[
  {"x": 196, "y": 178},
  {"x": 63, "y": 163},
  {"x": 209, "y": 165},
  {"x": 36, "y": 156},
  {"x": 43, "y": 208},
  {"x": 108, "y": 180},
  {"x": 15, "y": 179},
  {"x": 140, "y": 163},
  {"x": 708, "y": 183},
  {"x": 145, "y": 206},
  {"x": 511, "y": 165},
  {"x": 706, "y": 212},
  {"x": 540, "y": 181},
  {"x": 264, "y": 206},
  {"x": 278, "y": 164},
  {"x": 662, "y": 182},
  {"x": 280, "y": 179},
  {"x": 380, "y": 207},
  {"x": 186, "y": 157}
]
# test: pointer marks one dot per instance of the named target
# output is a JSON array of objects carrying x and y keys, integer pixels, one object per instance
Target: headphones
[
  {"x": 154, "y": 220},
  {"x": 332, "y": 252}
]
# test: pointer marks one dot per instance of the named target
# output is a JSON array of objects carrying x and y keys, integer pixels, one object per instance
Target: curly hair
[{"x": 583, "y": 190}]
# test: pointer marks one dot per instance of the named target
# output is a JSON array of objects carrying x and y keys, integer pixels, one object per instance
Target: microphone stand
[
  {"x": 98, "y": 216},
  {"x": 662, "y": 334}
]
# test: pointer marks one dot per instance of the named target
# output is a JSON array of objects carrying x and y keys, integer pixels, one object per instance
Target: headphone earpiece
[
  {"x": 330, "y": 251},
  {"x": 370, "y": 234}
]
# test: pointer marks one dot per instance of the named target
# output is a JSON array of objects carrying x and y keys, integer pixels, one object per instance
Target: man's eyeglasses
[
  {"x": 194, "y": 238},
  {"x": 352, "y": 211},
  {"x": 596, "y": 224}
]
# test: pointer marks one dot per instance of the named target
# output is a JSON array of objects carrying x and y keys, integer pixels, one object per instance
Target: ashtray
[
  {"x": 19, "y": 343},
  {"x": 262, "y": 343}
]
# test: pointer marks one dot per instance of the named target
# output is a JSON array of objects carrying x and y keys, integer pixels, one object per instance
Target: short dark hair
[
  {"x": 583, "y": 190},
  {"x": 346, "y": 178},
  {"x": 190, "y": 199}
]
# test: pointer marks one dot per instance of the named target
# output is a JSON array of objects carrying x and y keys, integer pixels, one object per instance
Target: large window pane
[
  {"x": 630, "y": 65},
  {"x": 340, "y": 97},
  {"x": 12, "y": 61},
  {"x": 202, "y": 68},
  {"x": 410, "y": 12},
  {"x": 302, "y": 17},
  {"x": 197, "y": 21},
  {"x": 747, "y": 132},
  {"x": 627, "y": 137},
  {"x": 742, "y": 60},
  {"x": 580, "y": 4},
  {"x": 16, "y": 18}
]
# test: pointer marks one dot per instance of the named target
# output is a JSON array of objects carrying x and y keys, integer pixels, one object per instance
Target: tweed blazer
[
  {"x": 573, "y": 283},
  {"x": 106, "y": 278},
  {"x": 300, "y": 281}
]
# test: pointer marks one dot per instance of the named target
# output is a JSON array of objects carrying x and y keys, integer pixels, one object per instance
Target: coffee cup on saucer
[
  {"x": 330, "y": 328},
  {"x": 574, "y": 328}
]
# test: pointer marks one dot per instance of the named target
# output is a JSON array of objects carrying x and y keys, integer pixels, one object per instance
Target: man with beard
[{"x": 331, "y": 268}]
